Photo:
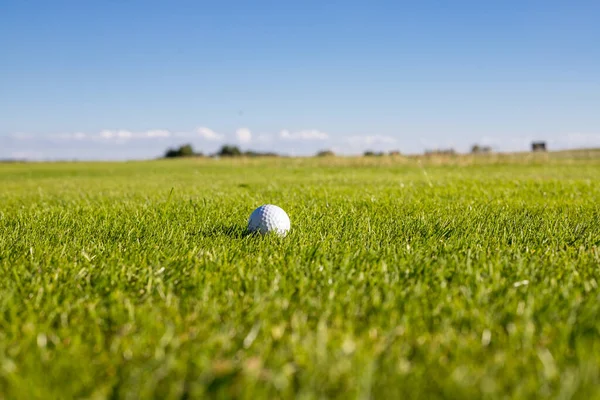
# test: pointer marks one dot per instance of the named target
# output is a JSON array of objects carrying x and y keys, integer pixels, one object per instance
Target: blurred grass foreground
[{"x": 403, "y": 277}]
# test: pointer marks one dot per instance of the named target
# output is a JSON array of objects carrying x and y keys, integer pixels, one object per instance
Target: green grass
[{"x": 463, "y": 277}]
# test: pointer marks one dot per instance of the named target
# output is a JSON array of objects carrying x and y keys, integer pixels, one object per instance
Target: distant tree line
[
  {"x": 477, "y": 149},
  {"x": 437, "y": 152},
  {"x": 183, "y": 151},
  {"x": 325, "y": 153},
  {"x": 227, "y": 150},
  {"x": 371, "y": 153}
]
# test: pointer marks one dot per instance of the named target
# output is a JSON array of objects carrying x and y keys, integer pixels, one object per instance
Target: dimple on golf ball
[{"x": 269, "y": 218}]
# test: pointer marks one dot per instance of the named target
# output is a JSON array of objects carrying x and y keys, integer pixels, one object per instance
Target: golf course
[{"x": 401, "y": 277}]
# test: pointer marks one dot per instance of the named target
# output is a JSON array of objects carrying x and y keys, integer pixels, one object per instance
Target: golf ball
[{"x": 269, "y": 218}]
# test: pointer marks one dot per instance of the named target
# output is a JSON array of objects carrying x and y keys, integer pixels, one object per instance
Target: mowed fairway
[{"x": 457, "y": 278}]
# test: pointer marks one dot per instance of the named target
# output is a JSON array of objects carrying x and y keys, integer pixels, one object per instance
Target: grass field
[{"x": 401, "y": 278}]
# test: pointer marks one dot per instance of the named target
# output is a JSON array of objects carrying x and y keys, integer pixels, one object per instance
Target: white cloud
[
  {"x": 26, "y": 155},
  {"x": 157, "y": 133},
  {"x": 520, "y": 143},
  {"x": 154, "y": 141},
  {"x": 243, "y": 135},
  {"x": 63, "y": 136},
  {"x": 264, "y": 138},
  {"x": 183, "y": 134},
  {"x": 106, "y": 135},
  {"x": 310, "y": 134},
  {"x": 209, "y": 134},
  {"x": 21, "y": 136},
  {"x": 120, "y": 135},
  {"x": 370, "y": 140},
  {"x": 577, "y": 139},
  {"x": 109, "y": 135}
]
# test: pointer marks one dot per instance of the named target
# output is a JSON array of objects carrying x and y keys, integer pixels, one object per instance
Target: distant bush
[
  {"x": 229, "y": 151},
  {"x": 234, "y": 151},
  {"x": 477, "y": 149},
  {"x": 183, "y": 151},
  {"x": 251, "y": 153},
  {"x": 325, "y": 153},
  {"x": 444, "y": 152},
  {"x": 395, "y": 153},
  {"x": 370, "y": 153}
]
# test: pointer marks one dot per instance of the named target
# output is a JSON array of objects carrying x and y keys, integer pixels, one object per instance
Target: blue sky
[{"x": 123, "y": 79}]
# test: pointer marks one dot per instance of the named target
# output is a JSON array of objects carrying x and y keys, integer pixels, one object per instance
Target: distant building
[{"x": 538, "y": 146}]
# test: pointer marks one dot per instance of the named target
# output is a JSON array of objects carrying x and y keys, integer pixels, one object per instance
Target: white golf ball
[{"x": 269, "y": 218}]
